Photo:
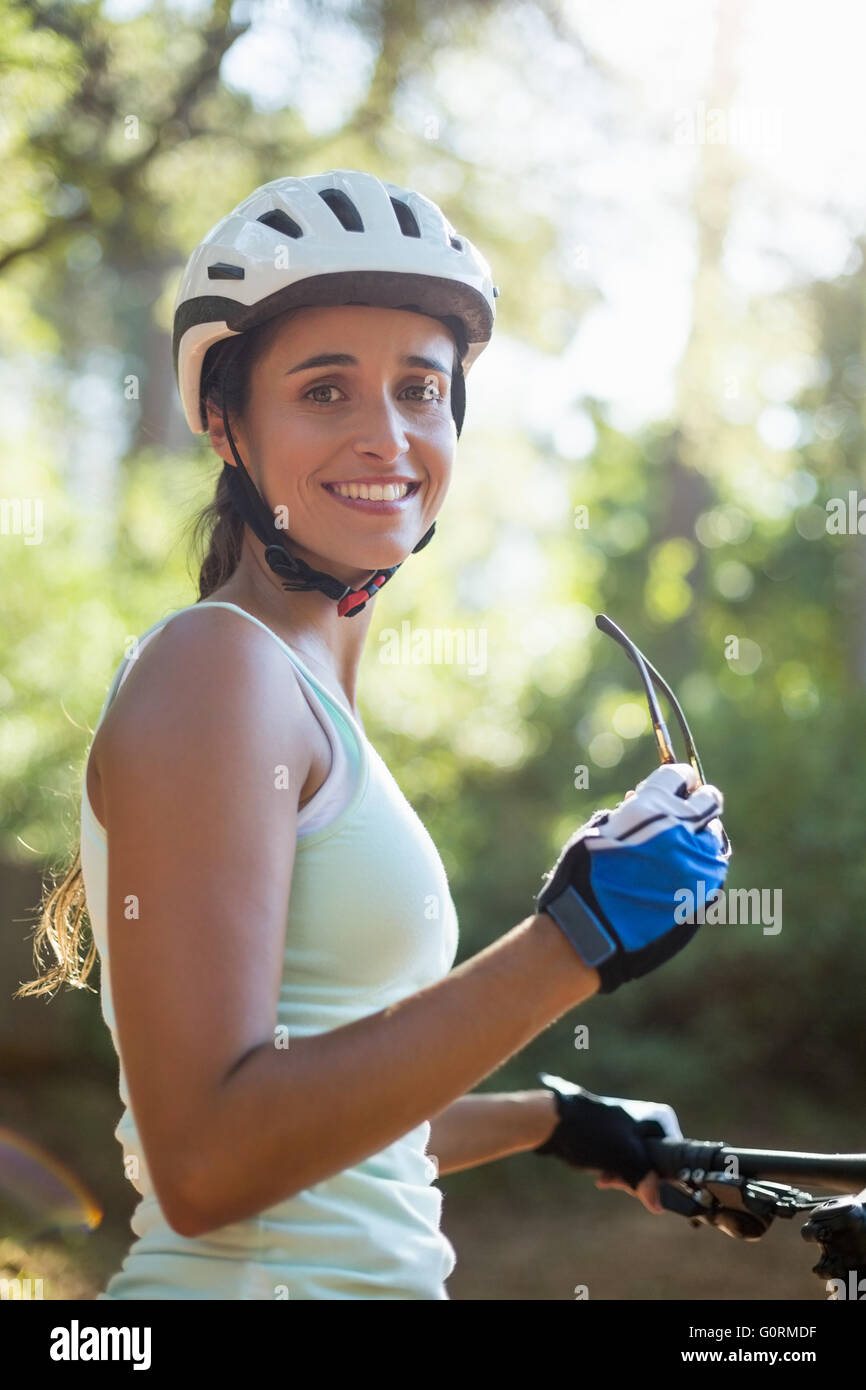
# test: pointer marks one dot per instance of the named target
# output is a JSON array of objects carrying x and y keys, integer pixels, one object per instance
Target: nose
[{"x": 380, "y": 429}]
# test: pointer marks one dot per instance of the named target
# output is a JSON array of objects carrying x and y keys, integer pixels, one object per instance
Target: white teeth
[{"x": 392, "y": 492}]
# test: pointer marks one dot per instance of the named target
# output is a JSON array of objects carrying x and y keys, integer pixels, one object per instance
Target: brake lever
[
  {"x": 743, "y": 1208},
  {"x": 682, "y": 1203}
]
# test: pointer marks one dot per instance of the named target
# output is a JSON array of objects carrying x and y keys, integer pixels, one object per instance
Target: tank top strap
[
  {"x": 350, "y": 749},
  {"x": 125, "y": 666},
  {"x": 344, "y": 719},
  {"x": 349, "y": 746},
  {"x": 337, "y": 711}
]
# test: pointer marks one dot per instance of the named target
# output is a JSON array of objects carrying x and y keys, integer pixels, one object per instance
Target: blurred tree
[{"x": 123, "y": 141}]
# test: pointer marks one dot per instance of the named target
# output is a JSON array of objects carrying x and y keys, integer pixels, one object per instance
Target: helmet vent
[
  {"x": 221, "y": 270},
  {"x": 456, "y": 243},
  {"x": 343, "y": 208},
  {"x": 406, "y": 218},
  {"x": 281, "y": 222}
]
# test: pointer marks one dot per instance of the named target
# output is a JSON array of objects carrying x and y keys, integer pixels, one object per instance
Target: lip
[
  {"x": 380, "y": 508},
  {"x": 382, "y": 478}
]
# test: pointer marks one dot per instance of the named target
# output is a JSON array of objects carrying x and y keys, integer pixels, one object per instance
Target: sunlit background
[{"x": 672, "y": 199}]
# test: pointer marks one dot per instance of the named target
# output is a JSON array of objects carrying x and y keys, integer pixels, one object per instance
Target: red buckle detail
[
  {"x": 351, "y": 602},
  {"x": 355, "y": 600}
]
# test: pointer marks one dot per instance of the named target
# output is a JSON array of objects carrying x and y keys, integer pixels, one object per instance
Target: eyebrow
[{"x": 345, "y": 359}]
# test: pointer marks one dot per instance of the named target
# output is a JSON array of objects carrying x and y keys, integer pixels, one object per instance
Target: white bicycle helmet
[{"x": 341, "y": 237}]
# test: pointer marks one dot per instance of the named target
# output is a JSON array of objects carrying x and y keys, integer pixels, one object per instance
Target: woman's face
[{"x": 380, "y": 415}]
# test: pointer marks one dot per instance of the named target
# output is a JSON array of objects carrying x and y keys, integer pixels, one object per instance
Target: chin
[
  {"x": 381, "y": 558},
  {"x": 383, "y": 562}
]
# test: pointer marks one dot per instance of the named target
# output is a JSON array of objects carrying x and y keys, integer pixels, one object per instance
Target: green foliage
[{"x": 698, "y": 532}]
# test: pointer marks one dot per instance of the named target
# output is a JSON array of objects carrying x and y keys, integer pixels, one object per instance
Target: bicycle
[{"x": 742, "y": 1191}]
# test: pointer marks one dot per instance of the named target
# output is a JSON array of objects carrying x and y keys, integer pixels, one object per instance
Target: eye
[
  {"x": 429, "y": 389},
  {"x": 323, "y": 386}
]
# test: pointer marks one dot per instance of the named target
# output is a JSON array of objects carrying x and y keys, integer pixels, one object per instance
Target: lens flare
[{"x": 40, "y": 1197}]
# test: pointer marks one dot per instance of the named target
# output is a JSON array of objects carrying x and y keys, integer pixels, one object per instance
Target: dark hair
[{"x": 218, "y": 530}]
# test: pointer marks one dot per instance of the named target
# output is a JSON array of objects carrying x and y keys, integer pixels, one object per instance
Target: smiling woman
[
  {"x": 274, "y": 922},
  {"x": 309, "y": 432},
  {"x": 317, "y": 406}
]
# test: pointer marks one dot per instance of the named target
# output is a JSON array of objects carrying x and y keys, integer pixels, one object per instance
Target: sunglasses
[
  {"x": 660, "y": 729},
  {"x": 647, "y": 670}
]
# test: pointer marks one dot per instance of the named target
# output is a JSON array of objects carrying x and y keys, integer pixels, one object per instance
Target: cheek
[
  {"x": 438, "y": 440},
  {"x": 291, "y": 445}
]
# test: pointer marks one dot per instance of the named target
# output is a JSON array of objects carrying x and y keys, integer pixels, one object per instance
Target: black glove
[{"x": 598, "y": 1132}]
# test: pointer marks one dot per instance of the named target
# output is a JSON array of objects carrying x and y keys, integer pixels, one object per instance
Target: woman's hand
[
  {"x": 647, "y": 1189},
  {"x": 605, "y": 1134},
  {"x": 615, "y": 888}
]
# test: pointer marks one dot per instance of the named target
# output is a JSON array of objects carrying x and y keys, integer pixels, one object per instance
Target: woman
[{"x": 295, "y": 1048}]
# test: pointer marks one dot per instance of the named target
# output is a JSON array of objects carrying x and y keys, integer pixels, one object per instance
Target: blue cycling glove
[{"x": 618, "y": 888}]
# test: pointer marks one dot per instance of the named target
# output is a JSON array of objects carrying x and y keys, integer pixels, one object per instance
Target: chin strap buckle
[{"x": 353, "y": 601}]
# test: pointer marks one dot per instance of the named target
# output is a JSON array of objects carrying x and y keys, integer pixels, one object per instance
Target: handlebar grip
[
  {"x": 670, "y": 1156},
  {"x": 839, "y": 1172}
]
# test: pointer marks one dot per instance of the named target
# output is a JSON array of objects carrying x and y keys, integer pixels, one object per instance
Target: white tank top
[{"x": 370, "y": 921}]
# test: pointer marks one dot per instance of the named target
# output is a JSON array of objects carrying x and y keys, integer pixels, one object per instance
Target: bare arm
[
  {"x": 202, "y": 842},
  {"x": 288, "y": 1119},
  {"x": 478, "y": 1128},
  {"x": 475, "y": 1129}
]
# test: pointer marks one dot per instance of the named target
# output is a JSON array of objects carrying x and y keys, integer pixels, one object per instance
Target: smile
[
  {"x": 372, "y": 497},
  {"x": 375, "y": 492}
]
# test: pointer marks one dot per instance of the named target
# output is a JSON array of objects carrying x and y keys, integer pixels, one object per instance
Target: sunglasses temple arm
[
  {"x": 687, "y": 735},
  {"x": 646, "y": 668},
  {"x": 681, "y": 718},
  {"x": 660, "y": 728}
]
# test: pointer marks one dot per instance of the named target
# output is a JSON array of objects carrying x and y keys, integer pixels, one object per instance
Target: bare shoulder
[{"x": 214, "y": 677}]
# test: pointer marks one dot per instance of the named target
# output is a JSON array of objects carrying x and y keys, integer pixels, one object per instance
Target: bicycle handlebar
[{"x": 676, "y": 1158}]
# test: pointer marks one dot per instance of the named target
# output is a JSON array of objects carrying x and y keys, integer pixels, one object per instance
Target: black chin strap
[{"x": 295, "y": 572}]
